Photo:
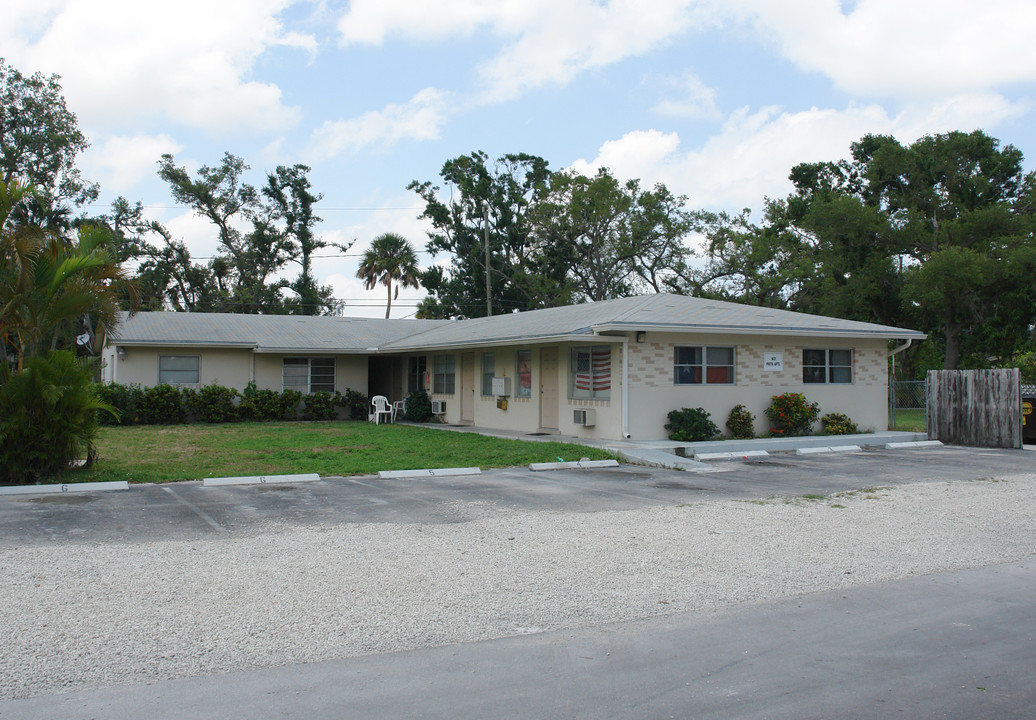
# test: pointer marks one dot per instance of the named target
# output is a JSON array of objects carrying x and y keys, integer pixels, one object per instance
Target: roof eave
[{"x": 889, "y": 333}]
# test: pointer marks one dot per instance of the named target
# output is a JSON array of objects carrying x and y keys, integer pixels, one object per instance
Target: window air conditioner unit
[
  {"x": 438, "y": 407},
  {"x": 586, "y": 418},
  {"x": 502, "y": 386}
]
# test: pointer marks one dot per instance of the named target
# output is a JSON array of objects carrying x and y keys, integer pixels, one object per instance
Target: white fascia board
[
  {"x": 758, "y": 330},
  {"x": 185, "y": 344},
  {"x": 263, "y": 350}
]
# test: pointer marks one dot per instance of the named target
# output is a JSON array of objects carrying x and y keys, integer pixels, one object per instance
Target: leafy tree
[
  {"x": 246, "y": 274},
  {"x": 166, "y": 276},
  {"x": 390, "y": 258},
  {"x": 614, "y": 239},
  {"x": 936, "y": 235},
  {"x": 40, "y": 138},
  {"x": 520, "y": 278},
  {"x": 288, "y": 191}
]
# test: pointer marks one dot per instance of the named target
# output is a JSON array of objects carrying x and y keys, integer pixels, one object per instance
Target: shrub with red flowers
[{"x": 791, "y": 414}]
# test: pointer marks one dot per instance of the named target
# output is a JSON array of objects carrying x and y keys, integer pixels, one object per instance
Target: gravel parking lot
[{"x": 91, "y": 612}]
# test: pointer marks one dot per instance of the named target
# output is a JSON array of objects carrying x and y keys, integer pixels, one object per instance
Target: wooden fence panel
[{"x": 979, "y": 408}]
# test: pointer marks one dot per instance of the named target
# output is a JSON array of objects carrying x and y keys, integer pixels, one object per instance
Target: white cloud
[
  {"x": 694, "y": 99},
  {"x": 367, "y": 22},
  {"x": 124, "y": 60},
  {"x": 123, "y": 162},
  {"x": 550, "y": 41},
  {"x": 751, "y": 156},
  {"x": 419, "y": 119},
  {"x": 890, "y": 47}
]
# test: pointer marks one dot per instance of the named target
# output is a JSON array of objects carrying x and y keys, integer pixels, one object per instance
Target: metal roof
[{"x": 657, "y": 313}]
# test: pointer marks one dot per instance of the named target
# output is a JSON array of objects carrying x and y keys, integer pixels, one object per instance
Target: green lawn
[
  {"x": 908, "y": 420},
  {"x": 190, "y": 452}
]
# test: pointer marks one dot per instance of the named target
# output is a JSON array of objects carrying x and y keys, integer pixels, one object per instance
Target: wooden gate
[{"x": 980, "y": 408}]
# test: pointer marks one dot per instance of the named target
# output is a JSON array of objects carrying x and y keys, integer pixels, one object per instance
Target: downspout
[
  {"x": 251, "y": 365},
  {"x": 625, "y": 389},
  {"x": 897, "y": 351},
  {"x": 892, "y": 380}
]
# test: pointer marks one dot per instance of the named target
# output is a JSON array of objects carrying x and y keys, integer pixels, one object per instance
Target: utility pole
[{"x": 489, "y": 285}]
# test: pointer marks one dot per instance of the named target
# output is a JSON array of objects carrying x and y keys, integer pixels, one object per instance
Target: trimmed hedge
[{"x": 171, "y": 405}]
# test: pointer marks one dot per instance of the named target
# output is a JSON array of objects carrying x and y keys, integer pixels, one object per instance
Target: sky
[{"x": 716, "y": 99}]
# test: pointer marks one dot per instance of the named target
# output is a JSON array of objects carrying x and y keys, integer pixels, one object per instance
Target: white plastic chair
[
  {"x": 398, "y": 409},
  {"x": 380, "y": 408}
]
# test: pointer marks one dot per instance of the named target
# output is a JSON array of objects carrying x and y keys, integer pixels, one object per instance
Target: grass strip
[{"x": 190, "y": 452}]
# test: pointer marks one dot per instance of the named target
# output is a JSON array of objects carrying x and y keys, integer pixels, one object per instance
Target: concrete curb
[
  {"x": 919, "y": 444},
  {"x": 746, "y": 455},
  {"x": 832, "y": 449},
  {"x": 539, "y": 467},
  {"x": 65, "y": 488},
  {"x": 430, "y": 472},
  {"x": 260, "y": 480}
]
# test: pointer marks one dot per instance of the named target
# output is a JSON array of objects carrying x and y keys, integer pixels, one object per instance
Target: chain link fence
[{"x": 908, "y": 404}]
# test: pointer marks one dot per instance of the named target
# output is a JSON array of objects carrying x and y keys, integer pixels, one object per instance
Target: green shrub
[
  {"x": 124, "y": 398},
  {"x": 838, "y": 424},
  {"x": 260, "y": 405},
  {"x": 162, "y": 405},
  {"x": 321, "y": 406},
  {"x": 691, "y": 425},
  {"x": 290, "y": 400},
  {"x": 791, "y": 414},
  {"x": 741, "y": 423},
  {"x": 418, "y": 407},
  {"x": 213, "y": 404},
  {"x": 357, "y": 403},
  {"x": 48, "y": 417}
]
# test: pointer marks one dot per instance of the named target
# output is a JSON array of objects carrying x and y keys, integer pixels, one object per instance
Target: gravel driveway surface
[{"x": 92, "y": 613}]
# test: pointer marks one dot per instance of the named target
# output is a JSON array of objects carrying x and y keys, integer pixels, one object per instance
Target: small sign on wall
[{"x": 773, "y": 361}]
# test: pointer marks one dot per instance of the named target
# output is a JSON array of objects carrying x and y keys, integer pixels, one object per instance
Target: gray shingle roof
[
  {"x": 266, "y": 333},
  {"x": 664, "y": 313}
]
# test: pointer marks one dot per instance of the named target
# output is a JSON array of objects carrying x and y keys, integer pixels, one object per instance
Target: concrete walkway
[{"x": 680, "y": 455}]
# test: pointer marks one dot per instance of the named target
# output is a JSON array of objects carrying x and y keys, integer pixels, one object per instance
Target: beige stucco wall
[
  {"x": 653, "y": 392},
  {"x": 217, "y": 367},
  {"x": 230, "y": 368},
  {"x": 523, "y": 414}
]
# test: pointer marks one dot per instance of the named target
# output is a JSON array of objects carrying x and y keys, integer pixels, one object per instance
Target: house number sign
[{"x": 773, "y": 361}]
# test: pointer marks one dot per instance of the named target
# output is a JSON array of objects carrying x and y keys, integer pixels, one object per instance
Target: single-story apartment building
[{"x": 611, "y": 369}]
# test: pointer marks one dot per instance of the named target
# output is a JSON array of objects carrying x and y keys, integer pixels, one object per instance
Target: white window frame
[
  {"x": 416, "y": 367},
  {"x": 829, "y": 368},
  {"x": 197, "y": 370},
  {"x": 488, "y": 373},
  {"x": 444, "y": 375},
  {"x": 705, "y": 364},
  {"x": 597, "y": 372},
  {"x": 297, "y": 362}
]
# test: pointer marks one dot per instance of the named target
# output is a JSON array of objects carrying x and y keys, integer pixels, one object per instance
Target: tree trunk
[
  {"x": 388, "y": 308},
  {"x": 952, "y": 333}
]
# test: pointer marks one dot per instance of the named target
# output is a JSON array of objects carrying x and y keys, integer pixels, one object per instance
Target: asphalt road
[
  {"x": 953, "y": 645},
  {"x": 958, "y": 645},
  {"x": 147, "y": 513}
]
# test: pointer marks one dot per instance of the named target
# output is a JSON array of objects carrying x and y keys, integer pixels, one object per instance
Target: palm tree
[
  {"x": 48, "y": 283},
  {"x": 389, "y": 258}
]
